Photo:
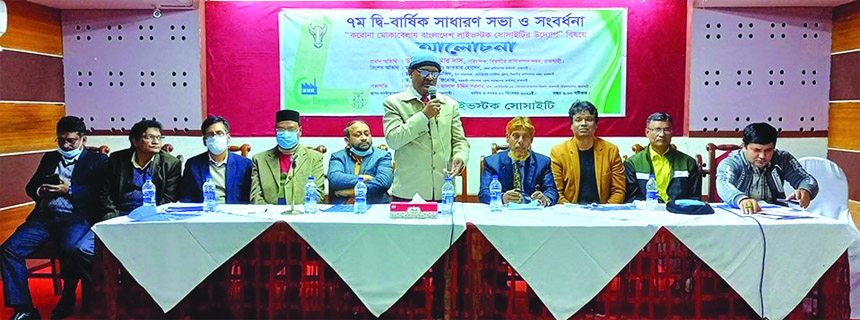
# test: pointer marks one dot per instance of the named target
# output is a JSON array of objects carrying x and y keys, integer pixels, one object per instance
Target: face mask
[
  {"x": 70, "y": 154},
  {"x": 362, "y": 153},
  {"x": 287, "y": 139},
  {"x": 216, "y": 145}
]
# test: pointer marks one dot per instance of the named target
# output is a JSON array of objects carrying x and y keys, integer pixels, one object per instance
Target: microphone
[{"x": 431, "y": 91}]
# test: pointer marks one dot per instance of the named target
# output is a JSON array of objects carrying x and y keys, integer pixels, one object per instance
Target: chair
[
  {"x": 101, "y": 149},
  {"x": 832, "y": 202},
  {"x": 243, "y": 149},
  {"x": 320, "y": 148},
  {"x": 169, "y": 149},
  {"x": 710, "y": 171}
]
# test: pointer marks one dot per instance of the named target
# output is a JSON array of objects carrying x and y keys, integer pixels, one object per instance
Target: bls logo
[
  {"x": 359, "y": 99},
  {"x": 318, "y": 32}
]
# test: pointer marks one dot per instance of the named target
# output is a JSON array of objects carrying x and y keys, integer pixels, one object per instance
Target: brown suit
[{"x": 609, "y": 169}]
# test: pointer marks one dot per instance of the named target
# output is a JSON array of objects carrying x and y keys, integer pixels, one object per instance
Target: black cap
[{"x": 287, "y": 115}]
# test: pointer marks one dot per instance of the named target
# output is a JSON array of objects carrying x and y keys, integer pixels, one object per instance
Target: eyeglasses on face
[
  {"x": 658, "y": 130},
  {"x": 425, "y": 73},
  {"x": 151, "y": 137},
  {"x": 215, "y": 134},
  {"x": 286, "y": 130}
]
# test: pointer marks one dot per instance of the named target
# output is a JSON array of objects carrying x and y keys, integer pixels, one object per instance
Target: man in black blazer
[{"x": 66, "y": 188}]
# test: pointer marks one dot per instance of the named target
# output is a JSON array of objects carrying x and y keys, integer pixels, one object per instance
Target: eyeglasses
[
  {"x": 658, "y": 130},
  {"x": 218, "y": 134},
  {"x": 69, "y": 140},
  {"x": 425, "y": 73},
  {"x": 286, "y": 130},
  {"x": 150, "y": 137}
]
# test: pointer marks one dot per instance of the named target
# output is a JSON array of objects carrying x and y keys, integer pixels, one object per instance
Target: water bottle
[
  {"x": 360, "y": 206},
  {"x": 148, "y": 191},
  {"x": 310, "y": 196},
  {"x": 210, "y": 202},
  {"x": 651, "y": 194},
  {"x": 495, "y": 195},
  {"x": 447, "y": 197}
]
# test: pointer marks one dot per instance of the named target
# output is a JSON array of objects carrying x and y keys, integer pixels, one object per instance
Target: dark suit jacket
[
  {"x": 87, "y": 182},
  {"x": 538, "y": 171},
  {"x": 237, "y": 179},
  {"x": 166, "y": 172}
]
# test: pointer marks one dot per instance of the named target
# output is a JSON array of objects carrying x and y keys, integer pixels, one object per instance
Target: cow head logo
[{"x": 318, "y": 32}]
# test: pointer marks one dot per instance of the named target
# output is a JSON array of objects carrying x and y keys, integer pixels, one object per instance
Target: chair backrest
[
  {"x": 169, "y": 149},
  {"x": 495, "y": 148},
  {"x": 320, "y": 148},
  {"x": 103, "y": 149},
  {"x": 243, "y": 149},
  {"x": 832, "y": 198},
  {"x": 713, "y": 161}
]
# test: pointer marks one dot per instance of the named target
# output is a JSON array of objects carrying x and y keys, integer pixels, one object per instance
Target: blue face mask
[
  {"x": 71, "y": 153},
  {"x": 287, "y": 139},
  {"x": 361, "y": 153}
]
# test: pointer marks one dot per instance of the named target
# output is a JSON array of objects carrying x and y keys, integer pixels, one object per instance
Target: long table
[{"x": 553, "y": 263}]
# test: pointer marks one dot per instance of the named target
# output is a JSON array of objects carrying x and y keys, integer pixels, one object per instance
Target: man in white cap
[{"x": 424, "y": 126}]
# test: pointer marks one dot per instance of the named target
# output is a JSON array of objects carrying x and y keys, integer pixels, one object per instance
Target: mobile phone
[{"x": 53, "y": 179}]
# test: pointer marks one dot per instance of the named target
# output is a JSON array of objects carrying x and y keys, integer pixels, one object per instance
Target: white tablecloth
[
  {"x": 169, "y": 259},
  {"x": 379, "y": 258},
  {"x": 567, "y": 254}
]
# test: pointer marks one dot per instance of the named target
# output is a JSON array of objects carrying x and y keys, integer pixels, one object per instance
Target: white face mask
[{"x": 216, "y": 145}]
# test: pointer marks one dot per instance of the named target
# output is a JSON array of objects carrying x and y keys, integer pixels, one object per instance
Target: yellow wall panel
[
  {"x": 33, "y": 27},
  {"x": 846, "y": 27},
  {"x": 12, "y": 218},
  {"x": 29, "y": 127},
  {"x": 843, "y": 129}
]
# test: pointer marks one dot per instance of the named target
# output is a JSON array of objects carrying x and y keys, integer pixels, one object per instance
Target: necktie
[
  {"x": 425, "y": 100},
  {"x": 518, "y": 181}
]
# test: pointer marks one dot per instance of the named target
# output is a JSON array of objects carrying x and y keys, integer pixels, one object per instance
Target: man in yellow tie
[{"x": 676, "y": 173}]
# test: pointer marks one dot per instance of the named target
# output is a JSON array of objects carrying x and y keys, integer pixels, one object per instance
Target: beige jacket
[
  {"x": 423, "y": 147},
  {"x": 267, "y": 171}
]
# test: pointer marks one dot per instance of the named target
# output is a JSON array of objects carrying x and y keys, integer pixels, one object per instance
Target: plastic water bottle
[
  {"x": 148, "y": 191},
  {"x": 495, "y": 195},
  {"x": 360, "y": 206},
  {"x": 651, "y": 195},
  {"x": 210, "y": 202},
  {"x": 310, "y": 196},
  {"x": 447, "y": 197}
]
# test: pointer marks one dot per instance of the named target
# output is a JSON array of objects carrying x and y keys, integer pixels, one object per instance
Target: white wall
[{"x": 190, "y": 146}]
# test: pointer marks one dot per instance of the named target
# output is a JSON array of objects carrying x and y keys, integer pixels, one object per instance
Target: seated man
[
  {"x": 677, "y": 174},
  {"x": 587, "y": 169},
  {"x": 65, "y": 187},
  {"x": 280, "y": 174},
  {"x": 758, "y": 172},
  {"x": 359, "y": 159},
  {"x": 230, "y": 173},
  {"x": 521, "y": 171},
  {"x": 129, "y": 168}
]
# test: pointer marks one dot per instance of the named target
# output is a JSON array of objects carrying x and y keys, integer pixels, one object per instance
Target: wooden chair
[
  {"x": 710, "y": 171},
  {"x": 243, "y": 149},
  {"x": 169, "y": 149},
  {"x": 320, "y": 148},
  {"x": 50, "y": 251}
]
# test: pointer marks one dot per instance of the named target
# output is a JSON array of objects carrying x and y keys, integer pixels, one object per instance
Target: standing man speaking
[{"x": 424, "y": 126}]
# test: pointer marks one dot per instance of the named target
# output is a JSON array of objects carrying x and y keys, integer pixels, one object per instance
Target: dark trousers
[{"x": 76, "y": 242}]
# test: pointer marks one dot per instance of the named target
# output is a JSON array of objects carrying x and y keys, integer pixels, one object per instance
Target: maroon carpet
[{"x": 43, "y": 299}]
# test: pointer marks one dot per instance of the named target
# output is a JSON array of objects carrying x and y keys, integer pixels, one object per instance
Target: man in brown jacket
[{"x": 587, "y": 169}]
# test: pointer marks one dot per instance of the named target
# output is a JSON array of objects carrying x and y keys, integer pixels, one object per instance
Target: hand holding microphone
[{"x": 431, "y": 109}]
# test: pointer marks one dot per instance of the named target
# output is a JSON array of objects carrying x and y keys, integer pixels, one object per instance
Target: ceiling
[
  {"x": 768, "y": 3},
  {"x": 119, "y": 4}
]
